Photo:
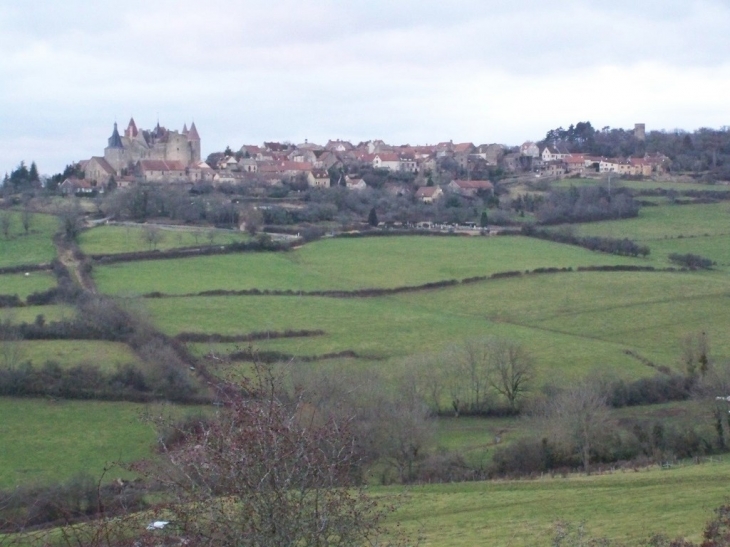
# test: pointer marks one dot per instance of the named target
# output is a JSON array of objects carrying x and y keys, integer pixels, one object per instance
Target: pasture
[
  {"x": 35, "y": 247},
  {"x": 23, "y": 285},
  {"x": 347, "y": 264},
  {"x": 627, "y": 506},
  {"x": 641, "y": 184},
  {"x": 572, "y": 323},
  {"x": 111, "y": 239},
  {"x": 45, "y": 440},
  {"x": 28, "y": 314},
  {"x": 667, "y": 221},
  {"x": 68, "y": 353}
]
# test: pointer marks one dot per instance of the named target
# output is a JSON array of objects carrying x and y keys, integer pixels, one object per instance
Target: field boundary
[
  {"x": 188, "y": 252},
  {"x": 197, "y": 337},
  {"x": 378, "y": 292}
]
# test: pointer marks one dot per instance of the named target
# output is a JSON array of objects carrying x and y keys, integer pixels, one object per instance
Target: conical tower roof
[
  {"x": 193, "y": 133},
  {"x": 115, "y": 141},
  {"x": 185, "y": 129}
]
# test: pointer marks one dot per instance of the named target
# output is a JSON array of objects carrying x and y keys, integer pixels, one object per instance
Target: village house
[
  {"x": 319, "y": 178},
  {"x": 355, "y": 184},
  {"x": 78, "y": 187},
  {"x": 554, "y": 152},
  {"x": 428, "y": 194},
  {"x": 575, "y": 163},
  {"x": 529, "y": 148},
  {"x": 553, "y": 168},
  {"x": 470, "y": 188}
]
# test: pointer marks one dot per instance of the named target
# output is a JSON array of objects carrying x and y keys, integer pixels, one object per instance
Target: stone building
[{"x": 123, "y": 152}]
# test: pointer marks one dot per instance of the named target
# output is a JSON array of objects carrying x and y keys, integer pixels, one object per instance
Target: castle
[{"x": 124, "y": 152}]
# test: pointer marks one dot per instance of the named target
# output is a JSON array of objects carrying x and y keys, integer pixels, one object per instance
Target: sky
[{"x": 405, "y": 71}]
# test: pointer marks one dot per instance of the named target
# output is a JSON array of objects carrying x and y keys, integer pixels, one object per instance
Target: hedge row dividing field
[
  {"x": 347, "y": 264},
  {"x": 569, "y": 326}
]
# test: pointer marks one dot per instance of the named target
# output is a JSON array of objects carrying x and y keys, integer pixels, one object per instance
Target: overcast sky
[{"x": 406, "y": 71}]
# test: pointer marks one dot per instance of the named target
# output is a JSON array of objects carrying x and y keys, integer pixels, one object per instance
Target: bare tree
[
  {"x": 265, "y": 472},
  {"x": 254, "y": 220},
  {"x": 11, "y": 347},
  {"x": 696, "y": 353},
  {"x": 26, "y": 219},
  {"x": 510, "y": 370},
  {"x": 578, "y": 420},
  {"x": 469, "y": 366},
  {"x": 211, "y": 235},
  {"x": 70, "y": 218},
  {"x": 6, "y": 221},
  {"x": 714, "y": 388},
  {"x": 152, "y": 235}
]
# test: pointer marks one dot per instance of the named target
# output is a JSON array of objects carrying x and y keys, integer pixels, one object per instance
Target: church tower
[
  {"x": 194, "y": 140},
  {"x": 114, "y": 153}
]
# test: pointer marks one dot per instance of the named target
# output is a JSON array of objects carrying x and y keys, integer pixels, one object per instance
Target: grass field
[
  {"x": 627, "y": 506},
  {"x": 23, "y": 285},
  {"x": 41, "y": 440},
  {"x": 27, "y": 314},
  {"x": 642, "y": 184},
  {"x": 349, "y": 264},
  {"x": 128, "y": 238},
  {"x": 669, "y": 221},
  {"x": 106, "y": 355},
  {"x": 34, "y": 248},
  {"x": 572, "y": 323}
]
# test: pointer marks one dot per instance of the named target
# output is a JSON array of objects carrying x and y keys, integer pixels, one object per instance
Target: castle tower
[
  {"x": 194, "y": 140},
  {"x": 131, "y": 131},
  {"x": 114, "y": 153},
  {"x": 115, "y": 141},
  {"x": 640, "y": 131},
  {"x": 185, "y": 129}
]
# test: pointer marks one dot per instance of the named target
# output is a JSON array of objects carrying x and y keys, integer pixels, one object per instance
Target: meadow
[
  {"x": 68, "y": 353},
  {"x": 347, "y": 264},
  {"x": 629, "y": 506},
  {"x": 35, "y": 247},
  {"x": 45, "y": 440},
  {"x": 571, "y": 322},
  {"x": 23, "y": 285},
  {"x": 111, "y": 239},
  {"x": 642, "y": 184}
]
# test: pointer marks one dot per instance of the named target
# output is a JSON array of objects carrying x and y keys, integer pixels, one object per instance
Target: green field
[
  {"x": 43, "y": 440},
  {"x": 28, "y": 314},
  {"x": 349, "y": 264},
  {"x": 642, "y": 184},
  {"x": 130, "y": 238},
  {"x": 668, "y": 221},
  {"x": 23, "y": 285},
  {"x": 627, "y": 505},
  {"x": 571, "y": 322},
  {"x": 106, "y": 355},
  {"x": 34, "y": 248}
]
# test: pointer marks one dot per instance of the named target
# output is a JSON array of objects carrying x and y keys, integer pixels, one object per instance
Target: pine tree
[
  {"x": 373, "y": 217},
  {"x": 33, "y": 173},
  {"x": 484, "y": 220}
]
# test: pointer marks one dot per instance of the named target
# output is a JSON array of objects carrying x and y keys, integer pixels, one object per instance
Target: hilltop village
[{"x": 162, "y": 155}]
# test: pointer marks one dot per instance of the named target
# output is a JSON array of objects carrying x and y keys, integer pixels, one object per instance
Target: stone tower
[
  {"x": 194, "y": 140},
  {"x": 640, "y": 131}
]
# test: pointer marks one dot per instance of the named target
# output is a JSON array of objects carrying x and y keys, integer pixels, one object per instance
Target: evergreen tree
[
  {"x": 33, "y": 173},
  {"x": 484, "y": 221},
  {"x": 373, "y": 217}
]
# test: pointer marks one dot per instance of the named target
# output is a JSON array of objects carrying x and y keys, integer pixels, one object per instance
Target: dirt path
[{"x": 67, "y": 256}]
